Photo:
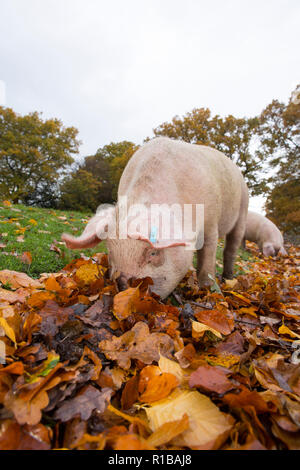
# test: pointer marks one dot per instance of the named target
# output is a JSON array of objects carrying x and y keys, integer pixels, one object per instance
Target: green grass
[
  {"x": 243, "y": 257},
  {"x": 43, "y": 227}
]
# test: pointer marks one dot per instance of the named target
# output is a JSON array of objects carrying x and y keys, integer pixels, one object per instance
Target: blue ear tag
[{"x": 153, "y": 234}]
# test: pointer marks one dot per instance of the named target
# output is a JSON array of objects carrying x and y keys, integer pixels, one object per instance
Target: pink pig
[
  {"x": 169, "y": 172},
  {"x": 262, "y": 231}
]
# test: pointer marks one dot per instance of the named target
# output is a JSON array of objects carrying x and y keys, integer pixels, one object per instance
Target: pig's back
[
  {"x": 254, "y": 226},
  {"x": 168, "y": 171},
  {"x": 259, "y": 229}
]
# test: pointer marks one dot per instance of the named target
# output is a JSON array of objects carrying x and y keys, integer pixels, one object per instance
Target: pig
[
  {"x": 165, "y": 171},
  {"x": 262, "y": 231}
]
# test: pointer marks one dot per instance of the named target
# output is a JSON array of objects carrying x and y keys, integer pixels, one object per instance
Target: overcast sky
[{"x": 116, "y": 69}]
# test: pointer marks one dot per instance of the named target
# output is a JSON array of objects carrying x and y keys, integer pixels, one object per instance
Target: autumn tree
[
  {"x": 80, "y": 191},
  {"x": 117, "y": 166},
  {"x": 113, "y": 157},
  {"x": 98, "y": 166},
  {"x": 98, "y": 177},
  {"x": 236, "y": 137},
  {"x": 33, "y": 154},
  {"x": 280, "y": 145},
  {"x": 283, "y": 205}
]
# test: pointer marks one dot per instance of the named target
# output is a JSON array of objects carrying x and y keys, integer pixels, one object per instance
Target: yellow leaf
[
  {"x": 230, "y": 283},
  {"x": 248, "y": 311},
  {"x": 198, "y": 330},
  {"x": 207, "y": 423},
  {"x": 38, "y": 299},
  {"x": 167, "y": 431},
  {"x": 284, "y": 330},
  {"x": 124, "y": 302},
  {"x": 7, "y": 311},
  {"x": 223, "y": 360},
  {"x": 8, "y": 330},
  {"x": 21, "y": 230},
  {"x": 87, "y": 273},
  {"x": 171, "y": 367},
  {"x": 51, "y": 284},
  {"x": 240, "y": 296},
  {"x": 127, "y": 417}
]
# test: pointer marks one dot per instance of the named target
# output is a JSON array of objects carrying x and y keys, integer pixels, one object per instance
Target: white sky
[{"x": 116, "y": 69}]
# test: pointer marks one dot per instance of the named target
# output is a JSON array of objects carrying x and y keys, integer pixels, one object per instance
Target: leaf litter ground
[{"x": 85, "y": 365}]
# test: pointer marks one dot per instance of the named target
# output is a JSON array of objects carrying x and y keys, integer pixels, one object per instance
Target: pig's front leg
[
  {"x": 233, "y": 242},
  {"x": 206, "y": 260}
]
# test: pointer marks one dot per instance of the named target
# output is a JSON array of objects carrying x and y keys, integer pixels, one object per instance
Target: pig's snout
[
  {"x": 122, "y": 281},
  {"x": 269, "y": 250}
]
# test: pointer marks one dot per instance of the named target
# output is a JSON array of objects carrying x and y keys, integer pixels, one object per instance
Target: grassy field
[{"x": 38, "y": 232}]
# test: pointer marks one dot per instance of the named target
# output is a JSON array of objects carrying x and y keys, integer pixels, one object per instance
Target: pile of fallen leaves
[{"x": 86, "y": 365}]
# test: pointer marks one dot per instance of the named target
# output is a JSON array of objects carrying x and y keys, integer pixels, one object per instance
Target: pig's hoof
[
  {"x": 205, "y": 282},
  {"x": 227, "y": 275}
]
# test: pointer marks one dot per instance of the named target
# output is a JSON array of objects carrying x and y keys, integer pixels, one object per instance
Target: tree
[
  {"x": 283, "y": 205},
  {"x": 34, "y": 153},
  {"x": 233, "y": 136},
  {"x": 79, "y": 191},
  {"x": 107, "y": 166},
  {"x": 97, "y": 177},
  {"x": 280, "y": 145},
  {"x": 98, "y": 166},
  {"x": 117, "y": 166}
]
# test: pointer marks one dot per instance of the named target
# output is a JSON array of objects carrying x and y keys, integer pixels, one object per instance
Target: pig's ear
[
  {"x": 83, "y": 241},
  {"x": 100, "y": 227}
]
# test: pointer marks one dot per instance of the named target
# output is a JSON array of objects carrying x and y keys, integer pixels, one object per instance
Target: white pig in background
[
  {"x": 165, "y": 171},
  {"x": 262, "y": 231}
]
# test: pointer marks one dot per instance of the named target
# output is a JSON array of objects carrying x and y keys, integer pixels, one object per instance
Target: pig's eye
[{"x": 153, "y": 253}]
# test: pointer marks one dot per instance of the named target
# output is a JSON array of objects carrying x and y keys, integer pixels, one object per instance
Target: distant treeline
[{"x": 37, "y": 165}]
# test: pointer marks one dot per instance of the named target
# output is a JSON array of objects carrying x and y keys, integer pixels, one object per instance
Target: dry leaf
[
  {"x": 207, "y": 423},
  {"x": 246, "y": 399},
  {"x": 88, "y": 399},
  {"x": 16, "y": 279},
  {"x": 87, "y": 273},
  {"x": 26, "y": 257},
  {"x": 137, "y": 343},
  {"x": 210, "y": 379},
  {"x": 155, "y": 385},
  {"x": 215, "y": 319},
  {"x": 198, "y": 330},
  {"x": 168, "y": 431},
  {"x": 131, "y": 442},
  {"x": 124, "y": 302},
  {"x": 130, "y": 393},
  {"x": 8, "y": 330},
  {"x": 284, "y": 330},
  {"x": 171, "y": 367}
]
